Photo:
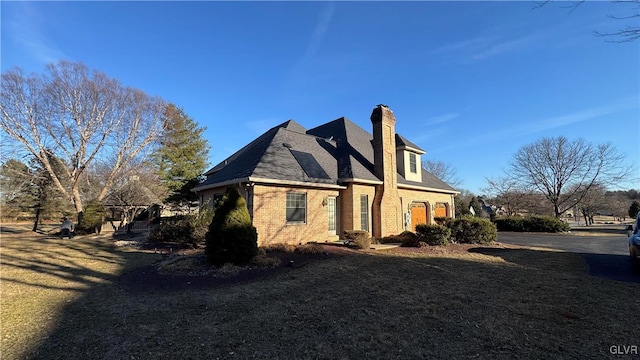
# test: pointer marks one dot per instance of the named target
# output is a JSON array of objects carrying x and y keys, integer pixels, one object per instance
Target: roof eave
[
  {"x": 259, "y": 180},
  {"x": 360, "y": 181},
  {"x": 220, "y": 184},
  {"x": 412, "y": 149},
  {"x": 425, "y": 188}
]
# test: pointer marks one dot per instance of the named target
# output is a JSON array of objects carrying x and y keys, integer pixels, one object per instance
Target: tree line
[
  {"x": 75, "y": 135},
  {"x": 551, "y": 176}
]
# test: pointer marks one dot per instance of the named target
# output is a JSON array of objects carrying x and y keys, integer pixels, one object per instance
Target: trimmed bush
[
  {"x": 433, "y": 234},
  {"x": 511, "y": 223},
  {"x": 473, "y": 230},
  {"x": 359, "y": 239},
  {"x": 534, "y": 223},
  {"x": 231, "y": 237},
  {"x": 441, "y": 220}
]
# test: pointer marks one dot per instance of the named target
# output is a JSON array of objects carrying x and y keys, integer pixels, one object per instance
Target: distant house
[{"x": 309, "y": 185}]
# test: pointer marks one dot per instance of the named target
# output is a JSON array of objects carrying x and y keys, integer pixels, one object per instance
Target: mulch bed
[{"x": 148, "y": 279}]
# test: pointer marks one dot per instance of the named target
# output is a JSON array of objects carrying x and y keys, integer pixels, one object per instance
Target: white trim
[
  {"x": 295, "y": 183},
  {"x": 220, "y": 184},
  {"x": 361, "y": 181},
  {"x": 268, "y": 181},
  {"x": 414, "y": 187},
  {"x": 412, "y": 149}
]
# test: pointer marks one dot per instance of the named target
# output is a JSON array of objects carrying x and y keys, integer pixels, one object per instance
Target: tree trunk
[{"x": 37, "y": 220}]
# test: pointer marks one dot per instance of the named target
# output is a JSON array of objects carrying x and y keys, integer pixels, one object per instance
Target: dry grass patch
[
  {"x": 482, "y": 302},
  {"x": 41, "y": 275}
]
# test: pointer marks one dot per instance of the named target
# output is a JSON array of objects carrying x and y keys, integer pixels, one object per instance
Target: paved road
[{"x": 606, "y": 256}]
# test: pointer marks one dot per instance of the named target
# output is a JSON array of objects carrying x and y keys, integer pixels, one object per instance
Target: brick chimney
[{"x": 386, "y": 209}]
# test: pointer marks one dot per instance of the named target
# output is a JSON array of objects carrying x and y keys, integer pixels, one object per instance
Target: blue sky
[{"x": 469, "y": 82}]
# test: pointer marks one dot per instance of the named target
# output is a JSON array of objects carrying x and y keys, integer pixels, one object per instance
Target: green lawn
[{"x": 62, "y": 299}]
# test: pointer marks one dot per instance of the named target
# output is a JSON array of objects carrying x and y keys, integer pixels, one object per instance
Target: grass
[{"x": 62, "y": 299}]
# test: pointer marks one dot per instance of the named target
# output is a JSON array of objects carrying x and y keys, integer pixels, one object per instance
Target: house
[{"x": 310, "y": 185}]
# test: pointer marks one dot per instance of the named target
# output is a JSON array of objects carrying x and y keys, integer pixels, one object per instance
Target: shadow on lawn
[
  {"x": 63, "y": 260},
  {"x": 608, "y": 266},
  {"x": 44, "y": 275},
  {"x": 361, "y": 306}
]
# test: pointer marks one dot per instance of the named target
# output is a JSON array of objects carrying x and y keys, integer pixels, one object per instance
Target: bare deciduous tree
[
  {"x": 81, "y": 117},
  {"x": 564, "y": 171},
  {"x": 507, "y": 193},
  {"x": 626, "y": 34},
  {"x": 442, "y": 171}
]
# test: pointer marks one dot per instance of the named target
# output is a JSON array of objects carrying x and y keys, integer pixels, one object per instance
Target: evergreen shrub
[
  {"x": 534, "y": 223},
  {"x": 231, "y": 237},
  {"x": 473, "y": 230},
  {"x": 433, "y": 234},
  {"x": 92, "y": 217}
]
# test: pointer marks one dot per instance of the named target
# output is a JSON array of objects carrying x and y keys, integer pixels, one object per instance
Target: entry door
[{"x": 418, "y": 215}]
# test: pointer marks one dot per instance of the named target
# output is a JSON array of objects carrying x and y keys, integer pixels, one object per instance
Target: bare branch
[
  {"x": 80, "y": 117},
  {"x": 564, "y": 171}
]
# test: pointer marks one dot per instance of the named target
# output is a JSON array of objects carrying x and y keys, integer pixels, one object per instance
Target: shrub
[
  {"x": 441, "y": 220},
  {"x": 473, "y": 230},
  {"x": 280, "y": 247},
  {"x": 309, "y": 249},
  {"x": 531, "y": 224},
  {"x": 359, "y": 239},
  {"x": 433, "y": 234},
  {"x": 200, "y": 223},
  {"x": 187, "y": 230},
  {"x": 179, "y": 231},
  {"x": 511, "y": 223},
  {"x": 231, "y": 237},
  {"x": 398, "y": 238},
  {"x": 362, "y": 243},
  {"x": 409, "y": 239},
  {"x": 92, "y": 218}
]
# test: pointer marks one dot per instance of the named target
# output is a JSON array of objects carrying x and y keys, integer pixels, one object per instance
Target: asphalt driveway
[{"x": 606, "y": 256}]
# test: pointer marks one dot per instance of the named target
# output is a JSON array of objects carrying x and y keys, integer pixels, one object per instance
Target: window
[
  {"x": 413, "y": 166},
  {"x": 296, "y": 208},
  {"x": 364, "y": 212},
  {"x": 331, "y": 209}
]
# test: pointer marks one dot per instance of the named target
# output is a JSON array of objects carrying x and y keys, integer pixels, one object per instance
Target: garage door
[
  {"x": 418, "y": 215},
  {"x": 441, "y": 210}
]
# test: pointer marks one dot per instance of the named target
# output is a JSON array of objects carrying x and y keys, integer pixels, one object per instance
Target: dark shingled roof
[
  {"x": 401, "y": 141},
  {"x": 338, "y": 150}
]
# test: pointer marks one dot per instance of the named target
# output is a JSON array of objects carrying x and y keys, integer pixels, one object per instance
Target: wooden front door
[{"x": 418, "y": 215}]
